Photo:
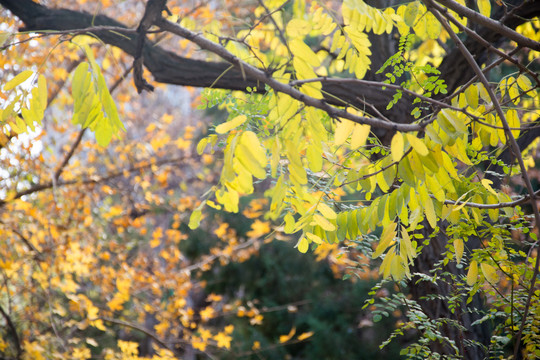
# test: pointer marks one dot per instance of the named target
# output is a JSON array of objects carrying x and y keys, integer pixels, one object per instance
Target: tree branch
[
  {"x": 492, "y": 24},
  {"x": 169, "y": 68},
  {"x": 13, "y": 331},
  {"x": 278, "y": 86}
]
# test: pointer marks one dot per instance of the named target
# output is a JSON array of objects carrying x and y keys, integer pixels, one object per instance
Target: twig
[
  {"x": 140, "y": 329},
  {"x": 280, "y": 31},
  {"x": 494, "y": 206}
]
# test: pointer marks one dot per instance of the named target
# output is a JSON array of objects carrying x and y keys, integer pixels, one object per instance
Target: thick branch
[
  {"x": 167, "y": 67},
  {"x": 278, "y": 86}
]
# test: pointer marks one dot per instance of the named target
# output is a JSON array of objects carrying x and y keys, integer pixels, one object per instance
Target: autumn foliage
[{"x": 393, "y": 145}]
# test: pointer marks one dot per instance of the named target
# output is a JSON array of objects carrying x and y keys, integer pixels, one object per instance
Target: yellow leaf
[
  {"x": 195, "y": 219},
  {"x": 386, "y": 265},
  {"x": 396, "y": 147},
  {"x": 155, "y": 243},
  {"x": 232, "y": 124},
  {"x": 471, "y": 94},
  {"x": 487, "y": 184},
  {"x": 490, "y": 273},
  {"x": 305, "y": 335},
  {"x": 411, "y": 11},
  {"x": 407, "y": 245},
  {"x": 513, "y": 122},
  {"x": 397, "y": 268},
  {"x": 252, "y": 142},
  {"x": 420, "y": 26},
  {"x": 289, "y": 223},
  {"x": 326, "y": 211},
  {"x": 246, "y": 158},
  {"x": 316, "y": 239},
  {"x": 202, "y": 145},
  {"x": 484, "y": 6},
  {"x": 42, "y": 91},
  {"x": 18, "y": 79},
  {"x": 259, "y": 228},
  {"x": 285, "y": 338},
  {"x": 418, "y": 145},
  {"x": 304, "y": 52},
  {"x": 223, "y": 340},
  {"x": 303, "y": 245},
  {"x": 359, "y": 135},
  {"x": 387, "y": 237},
  {"x": 298, "y": 174},
  {"x": 314, "y": 157},
  {"x": 298, "y": 28},
  {"x": 472, "y": 274},
  {"x": 458, "y": 246},
  {"x": 433, "y": 26},
  {"x": 324, "y": 223},
  {"x": 344, "y": 128},
  {"x": 524, "y": 82},
  {"x": 513, "y": 89}
]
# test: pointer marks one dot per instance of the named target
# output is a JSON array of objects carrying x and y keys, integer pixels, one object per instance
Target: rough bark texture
[{"x": 168, "y": 67}]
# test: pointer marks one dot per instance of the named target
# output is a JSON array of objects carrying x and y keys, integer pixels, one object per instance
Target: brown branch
[
  {"x": 152, "y": 12},
  {"x": 13, "y": 332},
  {"x": 383, "y": 85},
  {"x": 278, "y": 86},
  {"x": 491, "y": 24},
  {"x": 517, "y": 202},
  {"x": 27, "y": 242},
  {"x": 209, "y": 259}
]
